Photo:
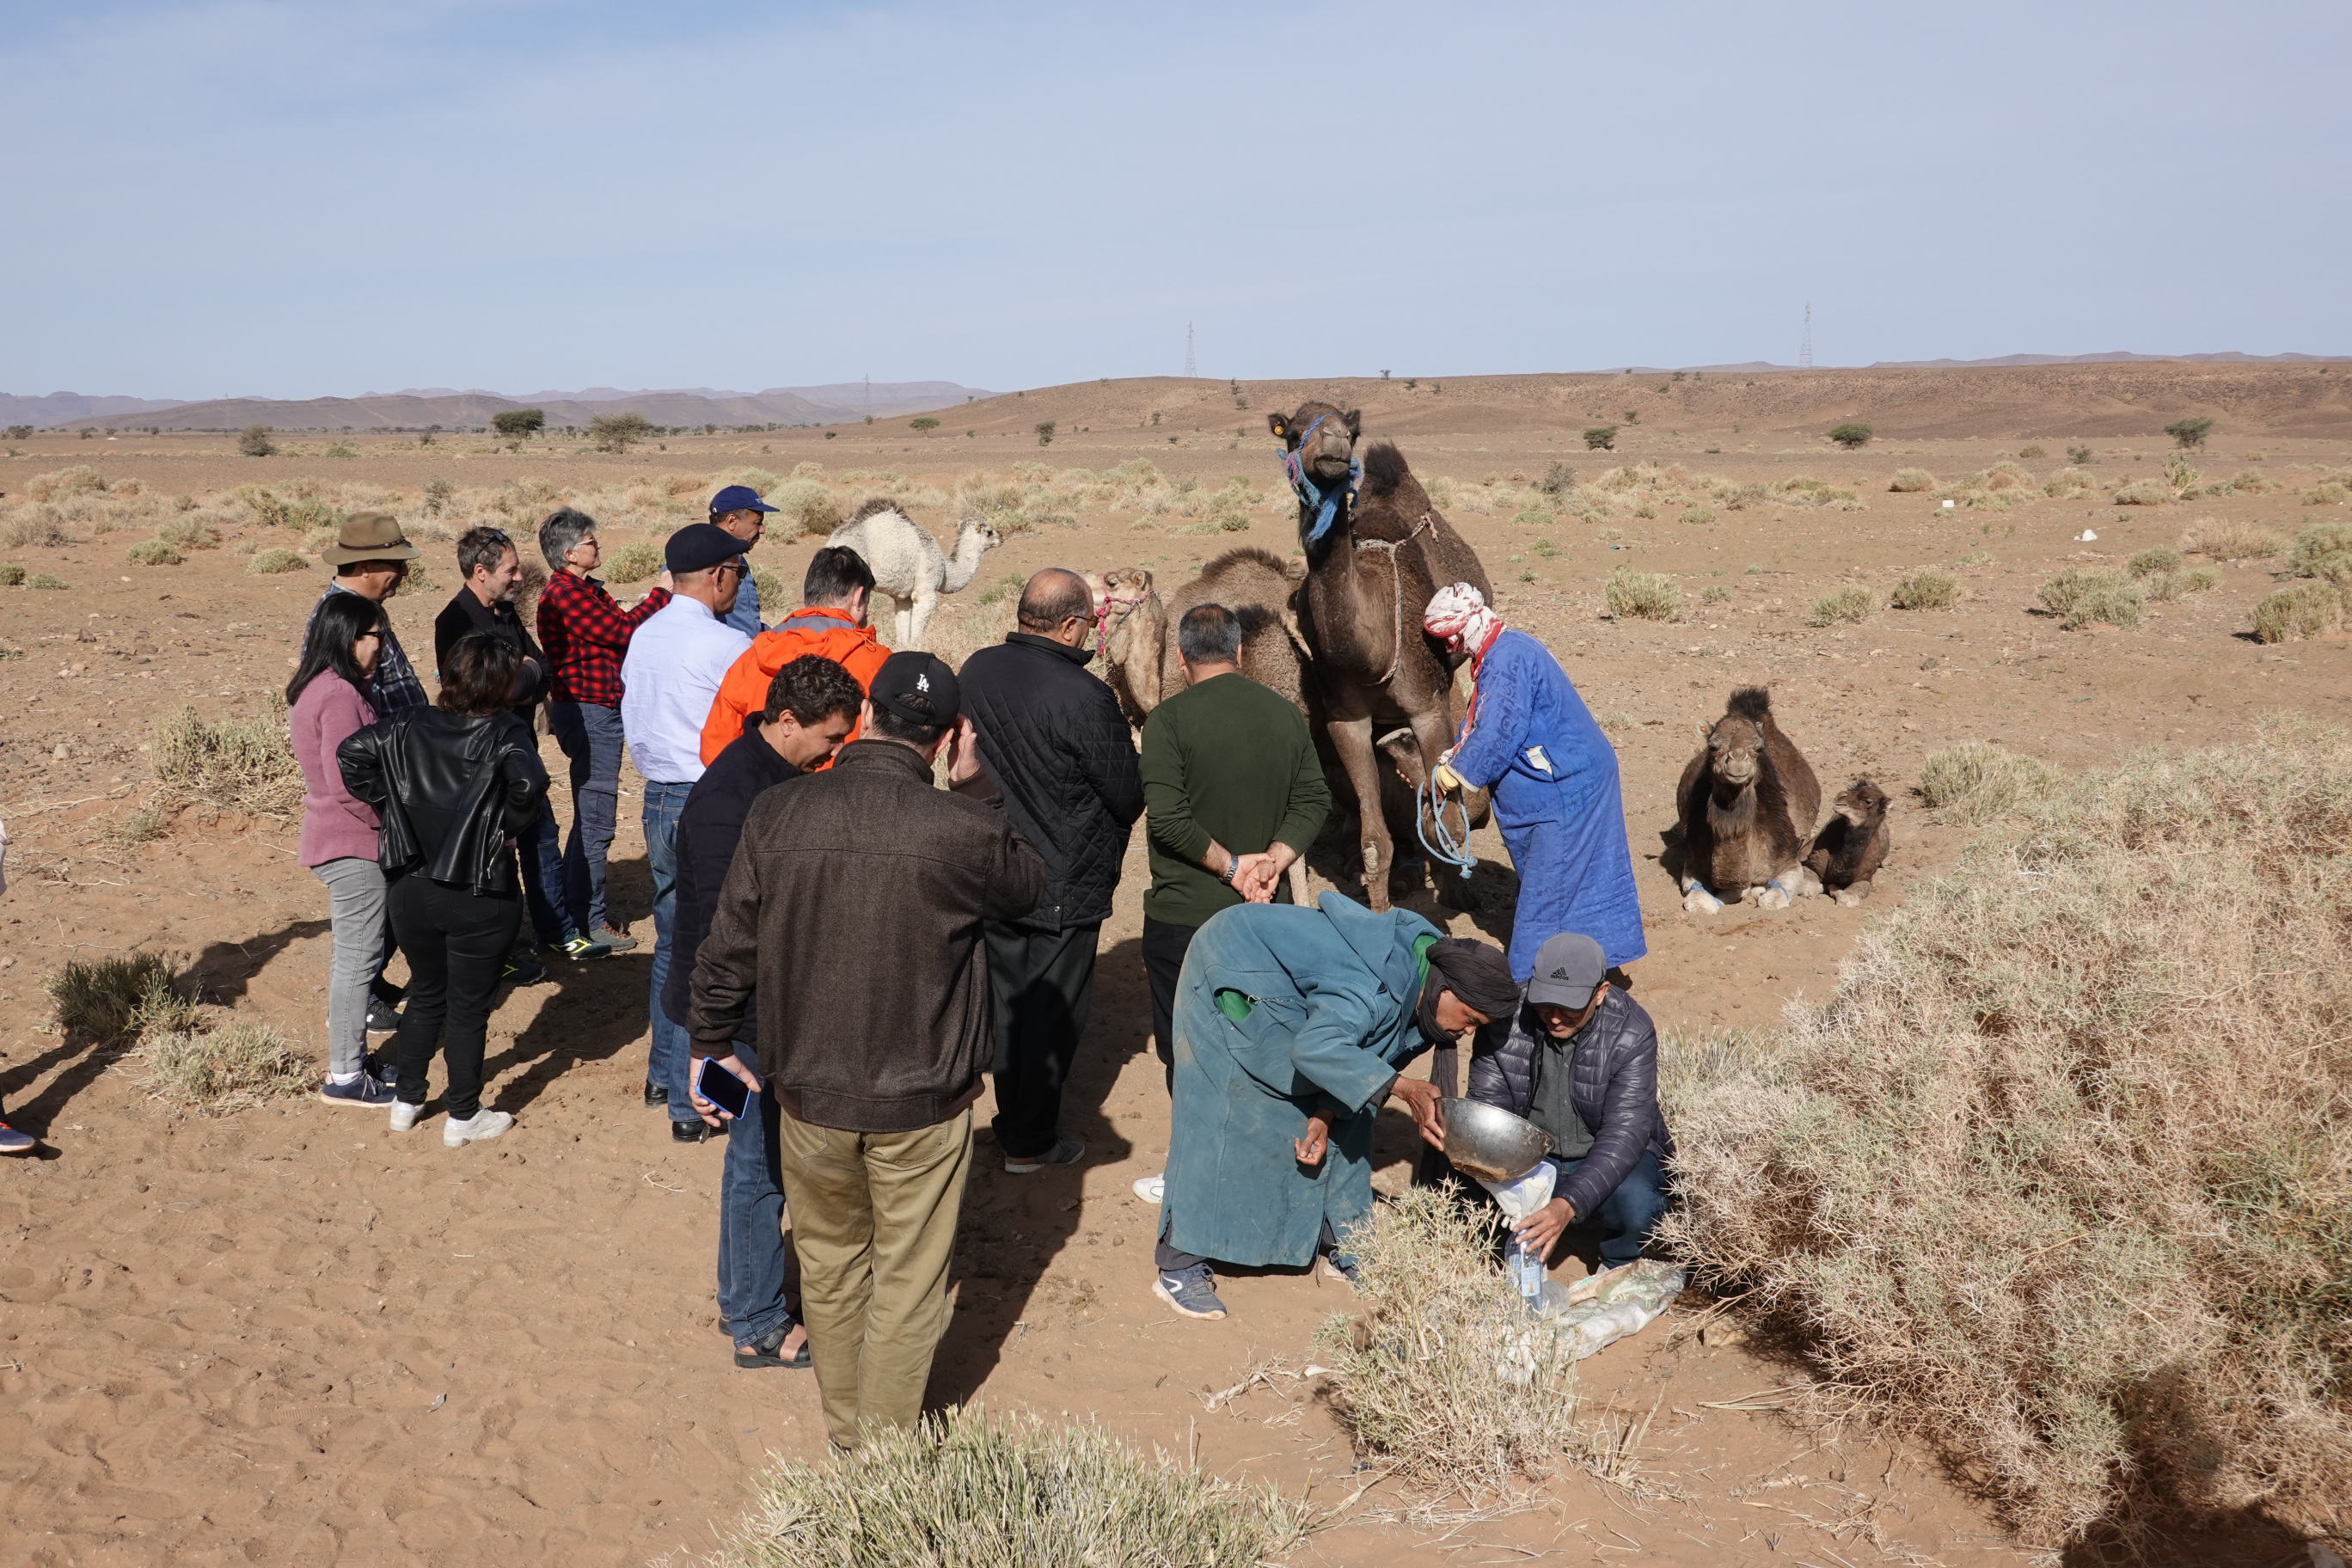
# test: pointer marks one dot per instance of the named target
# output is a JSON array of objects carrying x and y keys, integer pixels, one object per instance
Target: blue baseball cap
[
  {"x": 738, "y": 498},
  {"x": 700, "y": 545}
]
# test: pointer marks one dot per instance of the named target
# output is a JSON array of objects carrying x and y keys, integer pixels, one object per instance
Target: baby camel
[
  {"x": 1853, "y": 844},
  {"x": 909, "y": 565}
]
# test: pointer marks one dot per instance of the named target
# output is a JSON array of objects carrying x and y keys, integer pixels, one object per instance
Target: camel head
[
  {"x": 1862, "y": 804},
  {"x": 1331, "y": 447},
  {"x": 1735, "y": 749}
]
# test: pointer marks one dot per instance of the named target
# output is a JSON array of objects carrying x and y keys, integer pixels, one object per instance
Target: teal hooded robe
[{"x": 1280, "y": 1009}]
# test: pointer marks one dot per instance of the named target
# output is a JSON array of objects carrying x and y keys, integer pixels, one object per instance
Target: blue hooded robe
[
  {"x": 1531, "y": 740},
  {"x": 1279, "y": 1009}
]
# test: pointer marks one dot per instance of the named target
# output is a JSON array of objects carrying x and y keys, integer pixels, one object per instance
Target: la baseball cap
[
  {"x": 919, "y": 687},
  {"x": 1569, "y": 966},
  {"x": 698, "y": 546},
  {"x": 738, "y": 498}
]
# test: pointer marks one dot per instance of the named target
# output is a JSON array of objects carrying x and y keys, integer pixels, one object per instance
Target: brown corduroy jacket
[{"x": 853, "y": 908}]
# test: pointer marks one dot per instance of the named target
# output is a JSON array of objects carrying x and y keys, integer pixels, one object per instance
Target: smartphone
[{"x": 722, "y": 1089}]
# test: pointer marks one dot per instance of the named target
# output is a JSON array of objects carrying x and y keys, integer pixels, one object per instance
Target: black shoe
[
  {"x": 655, "y": 1094},
  {"x": 523, "y": 971},
  {"x": 381, "y": 1018},
  {"x": 693, "y": 1132},
  {"x": 766, "y": 1351}
]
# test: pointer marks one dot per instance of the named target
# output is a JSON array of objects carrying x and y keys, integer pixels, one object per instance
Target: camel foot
[
  {"x": 1811, "y": 885},
  {"x": 1772, "y": 898},
  {"x": 1699, "y": 902},
  {"x": 1850, "y": 896}
]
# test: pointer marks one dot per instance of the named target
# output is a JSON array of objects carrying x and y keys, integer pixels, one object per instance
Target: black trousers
[
  {"x": 1164, "y": 947},
  {"x": 1042, "y": 983},
  {"x": 456, "y": 945}
]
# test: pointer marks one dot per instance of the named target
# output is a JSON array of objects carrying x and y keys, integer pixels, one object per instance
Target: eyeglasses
[{"x": 732, "y": 564}]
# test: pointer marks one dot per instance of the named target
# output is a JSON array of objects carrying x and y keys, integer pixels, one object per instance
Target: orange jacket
[{"x": 828, "y": 634}]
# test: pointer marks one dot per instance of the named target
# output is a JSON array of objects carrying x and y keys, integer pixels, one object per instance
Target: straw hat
[{"x": 369, "y": 536}]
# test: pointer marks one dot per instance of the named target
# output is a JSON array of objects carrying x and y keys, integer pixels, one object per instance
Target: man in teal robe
[{"x": 1292, "y": 1026}]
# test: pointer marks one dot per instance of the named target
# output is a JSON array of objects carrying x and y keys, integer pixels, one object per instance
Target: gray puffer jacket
[{"x": 1615, "y": 1089}]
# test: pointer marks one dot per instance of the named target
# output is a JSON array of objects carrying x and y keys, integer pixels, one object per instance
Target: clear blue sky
[{"x": 217, "y": 198}]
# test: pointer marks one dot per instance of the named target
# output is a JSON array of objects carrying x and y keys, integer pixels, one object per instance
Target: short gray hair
[
  {"x": 561, "y": 533},
  {"x": 1209, "y": 633}
]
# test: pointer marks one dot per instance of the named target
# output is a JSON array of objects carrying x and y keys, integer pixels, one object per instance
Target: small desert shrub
[
  {"x": 1977, "y": 781},
  {"x": 2031, "y": 452},
  {"x": 43, "y": 580},
  {"x": 254, "y": 441},
  {"x": 78, "y": 479},
  {"x": 2153, "y": 562},
  {"x": 1846, "y": 604},
  {"x": 1558, "y": 479},
  {"x": 2328, "y": 492},
  {"x": 634, "y": 562},
  {"x": 113, "y": 1001},
  {"x": 2229, "y": 539},
  {"x": 35, "y": 528},
  {"x": 1908, "y": 480},
  {"x": 1716, "y": 594},
  {"x": 2080, "y": 596},
  {"x": 190, "y": 533},
  {"x": 152, "y": 553},
  {"x": 418, "y": 580},
  {"x": 1851, "y": 434},
  {"x": 1601, "y": 438},
  {"x": 234, "y": 1067},
  {"x": 1413, "y": 1370},
  {"x": 2143, "y": 493},
  {"x": 1983, "y": 1182},
  {"x": 1536, "y": 517},
  {"x": 2188, "y": 434},
  {"x": 11, "y": 574},
  {"x": 1642, "y": 595},
  {"x": 964, "y": 1487},
  {"x": 2301, "y": 610},
  {"x": 2253, "y": 482},
  {"x": 2167, "y": 587},
  {"x": 2323, "y": 549},
  {"x": 266, "y": 561},
  {"x": 805, "y": 506},
  {"x": 2069, "y": 483},
  {"x": 1925, "y": 591},
  {"x": 1698, "y": 514},
  {"x": 143, "y": 827},
  {"x": 240, "y": 765}
]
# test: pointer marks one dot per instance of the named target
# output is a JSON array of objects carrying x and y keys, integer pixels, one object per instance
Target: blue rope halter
[
  {"x": 1428, "y": 814},
  {"x": 1326, "y": 504}
]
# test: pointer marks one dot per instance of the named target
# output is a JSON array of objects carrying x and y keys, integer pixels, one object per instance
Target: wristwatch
[{"x": 1232, "y": 864}]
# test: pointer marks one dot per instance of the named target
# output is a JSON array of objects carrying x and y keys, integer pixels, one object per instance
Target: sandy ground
[{"x": 286, "y": 1337}]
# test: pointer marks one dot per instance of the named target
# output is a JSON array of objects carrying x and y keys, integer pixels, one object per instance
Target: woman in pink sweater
[{"x": 329, "y": 697}]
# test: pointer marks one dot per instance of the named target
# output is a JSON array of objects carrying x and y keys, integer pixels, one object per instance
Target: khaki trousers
[{"x": 873, "y": 1221}]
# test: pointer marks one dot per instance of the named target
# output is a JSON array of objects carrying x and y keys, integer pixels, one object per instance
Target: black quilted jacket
[
  {"x": 1614, "y": 1090},
  {"x": 1055, "y": 741}
]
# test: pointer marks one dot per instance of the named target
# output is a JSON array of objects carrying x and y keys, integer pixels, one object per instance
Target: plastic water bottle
[{"x": 1525, "y": 1269}]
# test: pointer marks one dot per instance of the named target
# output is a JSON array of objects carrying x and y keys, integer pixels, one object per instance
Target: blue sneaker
[
  {"x": 1193, "y": 1292},
  {"x": 365, "y": 1090},
  {"x": 15, "y": 1142}
]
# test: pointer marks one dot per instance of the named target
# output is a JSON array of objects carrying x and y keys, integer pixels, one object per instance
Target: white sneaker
[
  {"x": 1151, "y": 1189},
  {"x": 404, "y": 1115},
  {"x": 456, "y": 1135}
]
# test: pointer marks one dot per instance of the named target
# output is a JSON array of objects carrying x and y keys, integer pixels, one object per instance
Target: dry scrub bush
[
  {"x": 2080, "y": 596},
  {"x": 964, "y": 1490},
  {"x": 2327, "y": 492},
  {"x": 234, "y": 1067},
  {"x": 78, "y": 479},
  {"x": 34, "y": 528},
  {"x": 152, "y": 553},
  {"x": 2229, "y": 539},
  {"x": 2323, "y": 549},
  {"x": 1925, "y": 590},
  {"x": 2057, "y": 1177},
  {"x": 267, "y": 562},
  {"x": 1642, "y": 595},
  {"x": 805, "y": 506},
  {"x": 2143, "y": 493},
  {"x": 190, "y": 532},
  {"x": 1847, "y": 605},
  {"x": 1910, "y": 481},
  {"x": 2150, "y": 563},
  {"x": 238, "y": 764},
  {"x": 2068, "y": 483},
  {"x": 634, "y": 562},
  {"x": 1414, "y": 1370},
  {"x": 114, "y": 1001},
  {"x": 1698, "y": 514},
  {"x": 11, "y": 574},
  {"x": 2302, "y": 610},
  {"x": 2253, "y": 482},
  {"x": 1975, "y": 782}
]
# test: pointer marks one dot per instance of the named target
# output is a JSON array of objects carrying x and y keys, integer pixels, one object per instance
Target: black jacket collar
[{"x": 1080, "y": 654}]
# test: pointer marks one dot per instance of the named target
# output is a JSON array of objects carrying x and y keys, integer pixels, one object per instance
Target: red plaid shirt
[{"x": 585, "y": 634}]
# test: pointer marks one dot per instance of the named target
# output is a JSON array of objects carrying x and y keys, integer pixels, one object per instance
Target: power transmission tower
[
  {"x": 1805, "y": 350},
  {"x": 1190, "y": 372},
  {"x": 869, "y": 380}
]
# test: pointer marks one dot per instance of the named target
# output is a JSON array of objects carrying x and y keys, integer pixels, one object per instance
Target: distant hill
[
  {"x": 840, "y": 403},
  {"x": 2118, "y": 356}
]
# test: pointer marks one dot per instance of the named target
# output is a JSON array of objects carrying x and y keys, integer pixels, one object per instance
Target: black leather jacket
[
  {"x": 450, "y": 791},
  {"x": 1615, "y": 1088}
]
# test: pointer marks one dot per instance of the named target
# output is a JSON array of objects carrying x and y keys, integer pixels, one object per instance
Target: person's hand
[
  {"x": 963, "y": 750},
  {"x": 1420, "y": 1097},
  {"x": 1311, "y": 1149},
  {"x": 1447, "y": 779},
  {"x": 1253, "y": 878},
  {"x": 705, "y": 1109},
  {"x": 1540, "y": 1229}
]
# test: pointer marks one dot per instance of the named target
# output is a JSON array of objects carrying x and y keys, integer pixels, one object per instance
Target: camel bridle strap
[
  {"x": 1396, "y": 583},
  {"x": 1323, "y": 503},
  {"x": 1105, "y": 623}
]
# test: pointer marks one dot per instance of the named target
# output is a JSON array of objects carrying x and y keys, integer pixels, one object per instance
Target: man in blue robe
[
  {"x": 1292, "y": 1026},
  {"x": 1529, "y": 738}
]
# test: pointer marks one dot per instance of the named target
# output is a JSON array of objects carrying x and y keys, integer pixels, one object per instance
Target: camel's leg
[
  {"x": 1434, "y": 732},
  {"x": 1776, "y": 893},
  {"x": 1852, "y": 893},
  {"x": 1297, "y": 875},
  {"x": 1811, "y": 885},
  {"x": 1352, "y": 738},
  {"x": 924, "y": 604},
  {"x": 1698, "y": 900}
]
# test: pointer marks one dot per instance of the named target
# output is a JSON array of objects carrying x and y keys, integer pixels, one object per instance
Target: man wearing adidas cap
[{"x": 1578, "y": 1058}]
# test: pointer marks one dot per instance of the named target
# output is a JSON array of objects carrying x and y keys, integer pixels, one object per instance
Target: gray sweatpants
[{"x": 355, "y": 901}]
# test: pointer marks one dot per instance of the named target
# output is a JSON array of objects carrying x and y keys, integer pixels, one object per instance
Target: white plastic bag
[{"x": 1521, "y": 1198}]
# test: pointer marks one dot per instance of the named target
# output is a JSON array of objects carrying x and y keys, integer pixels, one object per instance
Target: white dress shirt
[{"x": 668, "y": 680}]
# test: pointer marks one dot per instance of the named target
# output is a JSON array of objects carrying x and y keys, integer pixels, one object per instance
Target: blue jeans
[
  {"x": 590, "y": 734},
  {"x": 543, "y": 880},
  {"x": 756, "y": 1270},
  {"x": 665, "y": 1065},
  {"x": 1627, "y": 1215}
]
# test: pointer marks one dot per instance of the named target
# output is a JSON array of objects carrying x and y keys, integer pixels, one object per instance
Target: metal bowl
[{"x": 1487, "y": 1142}]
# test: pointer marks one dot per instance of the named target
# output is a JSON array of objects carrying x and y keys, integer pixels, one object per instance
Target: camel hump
[
  {"x": 873, "y": 506},
  {"x": 1248, "y": 555},
  {"x": 1751, "y": 703},
  {"x": 1385, "y": 468}
]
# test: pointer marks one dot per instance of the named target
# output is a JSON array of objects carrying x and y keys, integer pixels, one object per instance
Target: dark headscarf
[{"x": 1478, "y": 975}]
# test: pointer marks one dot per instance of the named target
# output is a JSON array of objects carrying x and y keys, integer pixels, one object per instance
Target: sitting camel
[
  {"x": 909, "y": 565},
  {"x": 1853, "y": 844},
  {"x": 1748, "y": 802}
]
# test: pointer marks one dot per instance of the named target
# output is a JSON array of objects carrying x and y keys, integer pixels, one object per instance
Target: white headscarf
[{"x": 1458, "y": 615}]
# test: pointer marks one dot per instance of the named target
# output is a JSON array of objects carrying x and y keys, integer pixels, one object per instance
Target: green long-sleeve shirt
[{"x": 1231, "y": 761}]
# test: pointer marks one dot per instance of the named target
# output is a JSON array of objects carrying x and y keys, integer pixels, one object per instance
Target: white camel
[{"x": 909, "y": 565}]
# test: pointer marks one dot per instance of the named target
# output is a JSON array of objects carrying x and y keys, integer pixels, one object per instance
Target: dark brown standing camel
[
  {"x": 1748, "y": 802},
  {"x": 1376, "y": 551}
]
